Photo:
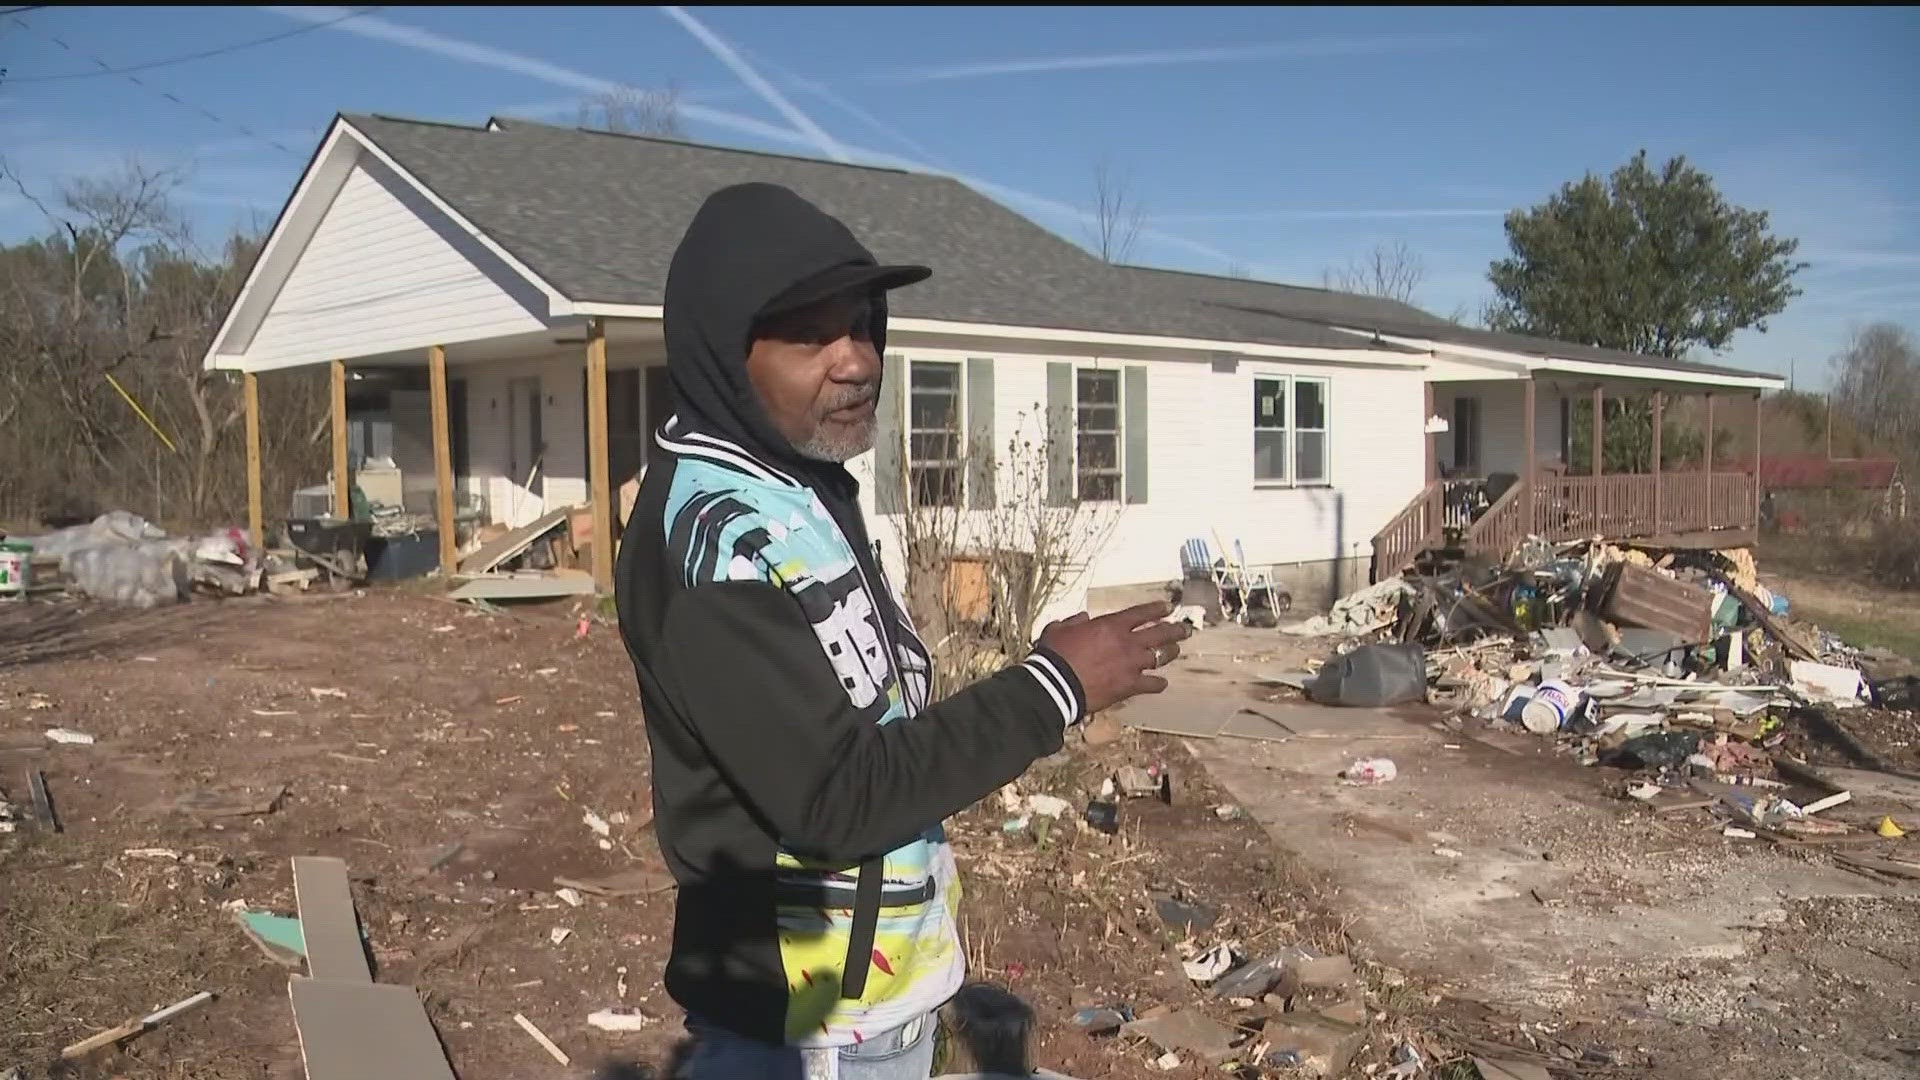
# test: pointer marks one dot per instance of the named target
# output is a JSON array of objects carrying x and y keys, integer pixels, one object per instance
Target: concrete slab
[{"x": 1554, "y": 883}]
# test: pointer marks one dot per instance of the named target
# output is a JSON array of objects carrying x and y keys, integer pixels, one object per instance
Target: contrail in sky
[
  {"x": 725, "y": 54},
  {"x": 412, "y": 37},
  {"x": 1320, "y": 46}
]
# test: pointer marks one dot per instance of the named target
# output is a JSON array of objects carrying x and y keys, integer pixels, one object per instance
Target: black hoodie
[{"x": 799, "y": 774}]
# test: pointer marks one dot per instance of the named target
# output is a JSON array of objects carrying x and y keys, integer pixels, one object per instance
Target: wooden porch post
[
  {"x": 1526, "y": 493},
  {"x": 1756, "y": 463},
  {"x": 256, "y": 516},
  {"x": 1707, "y": 451},
  {"x": 342, "y": 483},
  {"x": 1659, "y": 403},
  {"x": 1433, "y": 460},
  {"x": 442, "y": 461},
  {"x": 1599, "y": 430},
  {"x": 600, "y": 485}
]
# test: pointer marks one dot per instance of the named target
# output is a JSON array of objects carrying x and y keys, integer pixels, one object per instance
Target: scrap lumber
[
  {"x": 365, "y": 1031},
  {"x": 1637, "y": 596},
  {"x": 350, "y": 1027},
  {"x": 328, "y": 926},
  {"x": 135, "y": 1027},
  {"x": 506, "y": 547},
  {"x": 1778, "y": 630}
]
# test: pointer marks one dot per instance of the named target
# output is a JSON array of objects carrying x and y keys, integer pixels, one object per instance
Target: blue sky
[{"x": 1282, "y": 140}]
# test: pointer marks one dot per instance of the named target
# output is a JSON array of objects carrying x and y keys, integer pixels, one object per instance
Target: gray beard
[{"x": 837, "y": 448}]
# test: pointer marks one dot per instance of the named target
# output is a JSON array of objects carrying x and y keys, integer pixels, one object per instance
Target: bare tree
[
  {"x": 1117, "y": 216},
  {"x": 1012, "y": 558},
  {"x": 1238, "y": 269},
  {"x": 103, "y": 322},
  {"x": 1389, "y": 271},
  {"x": 1877, "y": 382},
  {"x": 632, "y": 111}
]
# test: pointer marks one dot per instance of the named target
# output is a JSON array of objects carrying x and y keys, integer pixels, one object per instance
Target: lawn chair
[{"x": 1241, "y": 590}]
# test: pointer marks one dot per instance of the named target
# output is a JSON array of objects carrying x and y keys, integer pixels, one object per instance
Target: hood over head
[{"x": 751, "y": 249}]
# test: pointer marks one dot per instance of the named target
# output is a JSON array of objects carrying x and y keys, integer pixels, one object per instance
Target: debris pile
[
  {"x": 122, "y": 558},
  {"x": 1678, "y": 666}
]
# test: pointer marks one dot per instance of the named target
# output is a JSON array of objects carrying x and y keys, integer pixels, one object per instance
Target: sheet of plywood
[
  {"x": 365, "y": 1031},
  {"x": 529, "y": 587},
  {"x": 506, "y": 547},
  {"x": 328, "y": 925}
]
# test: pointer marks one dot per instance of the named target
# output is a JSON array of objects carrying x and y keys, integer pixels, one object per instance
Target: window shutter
[
  {"x": 981, "y": 448},
  {"x": 1059, "y": 434},
  {"x": 889, "y": 445},
  {"x": 1134, "y": 431}
]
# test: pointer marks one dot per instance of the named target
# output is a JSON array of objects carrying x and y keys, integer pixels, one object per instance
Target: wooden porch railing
[
  {"x": 1627, "y": 506},
  {"x": 1419, "y": 526}
]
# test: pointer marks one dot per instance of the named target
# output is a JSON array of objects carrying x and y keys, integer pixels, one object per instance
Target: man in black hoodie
[{"x": 800, "y": 774}]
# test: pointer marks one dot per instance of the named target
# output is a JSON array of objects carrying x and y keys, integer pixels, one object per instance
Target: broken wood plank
[
  {"x": 365, "y": 1031},
  {"x": 506, "y": 547},
  {"x": 42, "y": 801},
  {"x": 1780, "y": 631},
  {"x": 135, "y": 1027},
  {"x": 328, "y": 924},
  {"x": 543, "y": 587}
]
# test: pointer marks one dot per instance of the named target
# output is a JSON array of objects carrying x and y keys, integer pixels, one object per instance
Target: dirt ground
[
  {"x": 450, "y": 757},
  {"x": 402, "y": 725}
]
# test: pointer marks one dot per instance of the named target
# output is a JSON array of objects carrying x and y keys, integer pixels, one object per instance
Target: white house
[{"x": 496, "y": 292}]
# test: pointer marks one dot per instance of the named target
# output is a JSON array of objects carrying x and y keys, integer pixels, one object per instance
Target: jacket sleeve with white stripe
[{"x": 834, "y": 785}]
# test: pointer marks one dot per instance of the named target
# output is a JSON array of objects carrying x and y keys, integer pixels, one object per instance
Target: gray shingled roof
[
  {"x": 598, "y": 215},
  {"x": 1383, "y": 316}
]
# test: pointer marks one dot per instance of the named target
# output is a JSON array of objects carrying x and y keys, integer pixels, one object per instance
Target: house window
[
  {"x": 1466, "y": 436},
  {"x": 1290, "y": 430},
  {"x": 936, "y": 462},
  {"x": 1270, "y": 430},
  {"x": 1097, "y": 435},
  {"x": 1310, "y": 431}
]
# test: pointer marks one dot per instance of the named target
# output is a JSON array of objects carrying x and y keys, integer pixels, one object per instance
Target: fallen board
[
  {"x": 365, "y": 1031},
  {"x": 506, "y": 547},
  {"x": 523, "y": 588},
  {"x": 329, "y": 929}
]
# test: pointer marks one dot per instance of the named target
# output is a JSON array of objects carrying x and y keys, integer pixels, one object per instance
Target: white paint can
[{"x": 1547, "y": 711}]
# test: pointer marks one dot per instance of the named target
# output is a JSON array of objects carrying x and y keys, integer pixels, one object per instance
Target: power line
[
  {"x": 203, "y": 55},
  {"x": 168, "y": 94}
]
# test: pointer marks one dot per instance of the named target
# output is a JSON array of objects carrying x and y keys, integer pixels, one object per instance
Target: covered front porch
[
  {"x": 500, "y": 430},
  {"x": 1527, "y": 453}
]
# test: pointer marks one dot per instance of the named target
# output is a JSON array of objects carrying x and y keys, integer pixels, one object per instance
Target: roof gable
[{"x": 598, "y": 216}]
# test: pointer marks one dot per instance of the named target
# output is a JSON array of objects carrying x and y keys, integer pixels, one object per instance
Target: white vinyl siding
[
  {"x": 1201, "y": 465},
  {"x": 386, "y": 271}
]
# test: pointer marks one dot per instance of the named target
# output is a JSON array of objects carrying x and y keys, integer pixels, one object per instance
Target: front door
[
  {"x": 527, "y": 447},
  {"x": 1466, "y": 436}
]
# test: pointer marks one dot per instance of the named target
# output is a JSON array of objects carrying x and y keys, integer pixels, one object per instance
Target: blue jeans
[{"x": 905, "y": 1053}]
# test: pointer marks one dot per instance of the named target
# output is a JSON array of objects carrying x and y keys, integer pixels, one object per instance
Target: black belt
[
  {"x": 866, "y": 922},
  {"x": 834, "y": 898}
]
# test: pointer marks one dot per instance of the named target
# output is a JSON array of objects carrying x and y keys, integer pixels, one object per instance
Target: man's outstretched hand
[{"x": 1113, "y": 655}]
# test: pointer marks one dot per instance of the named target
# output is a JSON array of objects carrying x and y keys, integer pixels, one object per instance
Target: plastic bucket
[
  {"x": 1547, "y": 710},
  {"x": 16, "y": 569}
]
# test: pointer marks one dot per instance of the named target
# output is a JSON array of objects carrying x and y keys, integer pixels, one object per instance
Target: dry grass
[{"x": 68, "y": 951}]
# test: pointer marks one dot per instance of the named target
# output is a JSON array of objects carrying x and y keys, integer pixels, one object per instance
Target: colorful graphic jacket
[
  {"x": 798, "y": 766},
  {"x": 800, "y": 774}
]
